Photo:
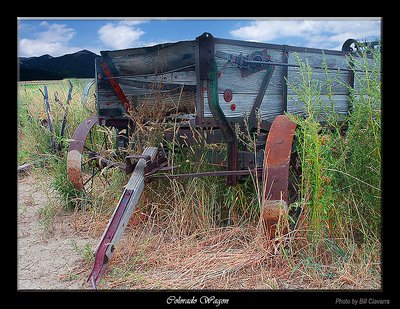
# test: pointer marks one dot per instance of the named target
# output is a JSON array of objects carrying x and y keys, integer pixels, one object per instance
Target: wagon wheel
[
  {"x": 89, "y": 155},
  {"x": 349, "y": 45},
  {"x": 295, "y": 210},
  {"x": 281, "y": 172}
]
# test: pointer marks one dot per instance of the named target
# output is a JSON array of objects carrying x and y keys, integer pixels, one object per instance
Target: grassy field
[{"x": 199, "y": 233}]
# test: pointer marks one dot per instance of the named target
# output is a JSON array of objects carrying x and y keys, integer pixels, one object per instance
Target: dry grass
[
  {"x": 233, "y": 257},
  {"x": 221, "y": 258}
]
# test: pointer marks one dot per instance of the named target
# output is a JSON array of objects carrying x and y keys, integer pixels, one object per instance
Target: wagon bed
[{"x": 173, "y": 70}]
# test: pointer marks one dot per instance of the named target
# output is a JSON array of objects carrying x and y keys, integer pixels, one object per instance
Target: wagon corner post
[{"x": 208, "y": 72}]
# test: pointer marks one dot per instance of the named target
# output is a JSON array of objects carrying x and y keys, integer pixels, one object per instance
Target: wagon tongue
[{"x": 121, "y": 216}]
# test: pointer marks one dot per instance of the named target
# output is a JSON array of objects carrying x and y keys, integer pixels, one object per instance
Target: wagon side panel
[
  {"x": 163, "y": 74},
  {"x": 244, "y": 89},
  {"x": 330, "y": 86}
]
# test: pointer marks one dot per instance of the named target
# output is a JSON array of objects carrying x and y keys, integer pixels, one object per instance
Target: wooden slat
[
  {"x": 173, "y": 101},
  {"x": 176, "y": 102},
  {"x": 154, "y": 59},
  {"x": 336, "y": 103},
  {"x": 337, "y": 81},
  {"x": 360, "y": 80},
  {"x": 132, "y": 88},
  {"x": 180, "y": 77},
  {"x": 231, "y": 79},
  {"x": 284, "y": 79},
  {"x": 111, "y": 104},
  {"x": 361, "y": 63},
  {"x": 270, "y": 105},
  {"x": 317, "y": 59}
]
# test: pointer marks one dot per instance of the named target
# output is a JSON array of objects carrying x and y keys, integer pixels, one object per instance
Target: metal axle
[{"x": 212, "y": 173}]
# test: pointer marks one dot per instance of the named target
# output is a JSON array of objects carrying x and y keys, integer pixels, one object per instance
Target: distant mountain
[{"x": 46, "y": 67}]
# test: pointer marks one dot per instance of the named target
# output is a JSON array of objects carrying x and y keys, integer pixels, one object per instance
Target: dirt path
[{"x": 46, "y": 260}]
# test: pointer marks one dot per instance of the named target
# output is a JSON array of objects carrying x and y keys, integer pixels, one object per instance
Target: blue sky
[{"x": 56, "y": 37}]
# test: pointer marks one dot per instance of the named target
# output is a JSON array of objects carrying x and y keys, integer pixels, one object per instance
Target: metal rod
[
  {"x": 213, "y": 173},
  {"x": 296, "y": 65}
]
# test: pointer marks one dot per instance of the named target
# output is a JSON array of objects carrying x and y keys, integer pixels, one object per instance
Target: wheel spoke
[
  {"x": 91, "y": 137},
  {"x": 89, "y": 149},
  {"x": 104, "y": 143},
  {"x": 91, "y": 177}
]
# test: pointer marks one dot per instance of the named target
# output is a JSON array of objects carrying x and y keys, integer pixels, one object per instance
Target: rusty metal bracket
[
  {"x": 276, "y": 172},
  {"x": 152, "y": 165},
  {"x": 249, "y": 64}
]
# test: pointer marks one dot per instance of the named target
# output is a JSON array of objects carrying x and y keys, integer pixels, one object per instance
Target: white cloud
[
  {"x": 270, "y": 29},
  {"x": 30, "y": 48},
  {"x": 315, "y": 33},
  {"x": 131, "y": 22},
  {"x": 54, "y": 40},
  {"x": 120, "y": 36},
  {"x": 56, "y": 33}
]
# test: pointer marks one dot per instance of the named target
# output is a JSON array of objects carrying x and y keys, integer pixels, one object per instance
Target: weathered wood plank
[
  {"x": 329, "y": 82},
  {"x": 362, "y": 63},
  {"x": 317, "y": 59},
  {"x": 184, "y": 102},
  {"x": 271, "y": 105},
  {"x": 330, "y": 104},
  {"x": 25, "y": 168},
  {"x": 106, "y": 93},
  {"x": 179, "y": 77},
  {"x": 133, "y": 88},
  {"x": 231, "y": 79},
  {"x": 168, "y": 103},
  {"x": 112, "y": 104},
  {"x": 362, "y": 81},
  {"x": 154, "y": 59}
]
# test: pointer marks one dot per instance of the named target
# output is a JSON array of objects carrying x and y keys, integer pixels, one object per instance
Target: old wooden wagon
[{"x": 219, "y": 84}]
